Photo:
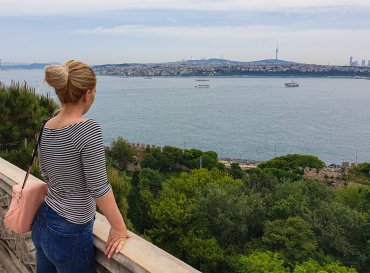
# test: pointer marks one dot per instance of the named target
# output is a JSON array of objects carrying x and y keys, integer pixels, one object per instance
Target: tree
[
  {"x": 121, "y": 153},
  {"x": 156, "y": 160},
  {"x": 312, "y": 266},
  {"x": 146, "y": 186},
  {"x": 21, "y": 114},
  {"x": 293, "y": 163},
  {"x": 236, "y": 172},
  {"x": 205, "y": 254},
  {"x": 293, "y": 238},
  {"x": 173, "y": 211},
  {"x": 260, "y": 262},
  {"x": 229, "y": 214},
  {"x": 121, "y": 188},
  {"x": 260, "y": 181},
  {"x": 342, "y": 233},
  {"x": 354, "y": 196}
]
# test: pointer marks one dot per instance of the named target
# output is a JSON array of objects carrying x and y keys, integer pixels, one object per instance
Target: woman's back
[{"x": 72, "y": 163}]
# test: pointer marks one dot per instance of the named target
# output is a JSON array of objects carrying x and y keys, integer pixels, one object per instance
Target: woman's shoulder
[
  {"x": 58, "y": 124},
  {"x": 87, "y": 126}
]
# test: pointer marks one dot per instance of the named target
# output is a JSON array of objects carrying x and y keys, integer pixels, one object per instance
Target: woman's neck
[{"x": 71, "y": 111}]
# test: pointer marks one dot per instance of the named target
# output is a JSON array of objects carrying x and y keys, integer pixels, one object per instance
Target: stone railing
[{"x": 17, "y": 252}]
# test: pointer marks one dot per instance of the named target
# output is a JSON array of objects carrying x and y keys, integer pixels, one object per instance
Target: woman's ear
[{"x": 87, "y": 95}]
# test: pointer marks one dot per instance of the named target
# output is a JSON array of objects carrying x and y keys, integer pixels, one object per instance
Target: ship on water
[
  {"x": 202, "y": 86},
  {"x": 291, "y": 84},
  {"x": 202, "y": 80}
]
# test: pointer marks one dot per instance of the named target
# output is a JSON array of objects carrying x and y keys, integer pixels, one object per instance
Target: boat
[
  {"x": 291, "y": 84},
  {"x": 148, "y": 78},
  {"x": 202, "y": 86},
  {"x": 202, "y": 80}
]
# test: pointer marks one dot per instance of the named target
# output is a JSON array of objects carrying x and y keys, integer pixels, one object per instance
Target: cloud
[
  {"x": 217, "y": 32},
  {"x": 245, "y": 42},
  {"x": 75, "y": 7}
]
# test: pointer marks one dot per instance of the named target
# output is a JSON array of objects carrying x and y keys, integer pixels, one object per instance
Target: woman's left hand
[{"x": 116, "y": 239}]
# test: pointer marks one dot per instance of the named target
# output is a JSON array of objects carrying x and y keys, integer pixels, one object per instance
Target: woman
[{"x": 72, "y": 162}]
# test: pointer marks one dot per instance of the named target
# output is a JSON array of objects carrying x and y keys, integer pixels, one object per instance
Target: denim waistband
[{"x": 49, "y": 215}]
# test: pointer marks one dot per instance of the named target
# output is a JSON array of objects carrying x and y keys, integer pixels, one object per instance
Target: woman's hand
[{"x": 116, "y": 239}]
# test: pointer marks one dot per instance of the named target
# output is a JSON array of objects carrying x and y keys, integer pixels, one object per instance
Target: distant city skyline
[{"x": 100, "y": 32}]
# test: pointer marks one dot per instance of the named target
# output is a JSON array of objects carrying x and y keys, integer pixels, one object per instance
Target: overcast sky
[{"x": 107, "y": 31}]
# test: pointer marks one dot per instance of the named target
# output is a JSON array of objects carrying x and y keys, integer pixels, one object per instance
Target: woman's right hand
[{"x": 115, "y": 241}]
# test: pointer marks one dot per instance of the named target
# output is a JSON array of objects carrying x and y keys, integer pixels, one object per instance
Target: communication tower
[{"x": 277, "y": 52}]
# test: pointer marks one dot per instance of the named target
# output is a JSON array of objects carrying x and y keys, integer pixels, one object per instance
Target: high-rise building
[
  {"x": 368, "y": 63},
  {"x": 350, "y": 61},
  {"x": 363, "y": 63}
]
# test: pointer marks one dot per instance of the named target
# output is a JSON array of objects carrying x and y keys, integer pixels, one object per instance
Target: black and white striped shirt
[{"x": 72, "y": 162}]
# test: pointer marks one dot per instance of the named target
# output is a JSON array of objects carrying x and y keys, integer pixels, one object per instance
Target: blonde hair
[{"x": 70, "y": 80}]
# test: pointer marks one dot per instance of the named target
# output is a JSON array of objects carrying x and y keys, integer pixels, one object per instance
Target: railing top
[{"x": 137, "y": 255}]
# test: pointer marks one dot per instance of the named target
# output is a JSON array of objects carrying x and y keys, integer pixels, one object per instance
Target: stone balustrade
[{"x": 18, "y": 254}]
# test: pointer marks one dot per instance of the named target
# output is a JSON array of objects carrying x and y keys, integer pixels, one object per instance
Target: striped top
[{"x": 72, "y": 162}]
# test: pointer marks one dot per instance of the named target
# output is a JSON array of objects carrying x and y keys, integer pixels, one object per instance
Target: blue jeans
[{"x": 62, "y": 246}]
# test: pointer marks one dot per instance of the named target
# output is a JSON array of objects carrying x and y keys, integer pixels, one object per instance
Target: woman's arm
[{"x": 118, "y": 232}]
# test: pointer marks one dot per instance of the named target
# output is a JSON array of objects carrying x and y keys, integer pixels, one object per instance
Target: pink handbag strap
[{"x": 34, "y": 153}]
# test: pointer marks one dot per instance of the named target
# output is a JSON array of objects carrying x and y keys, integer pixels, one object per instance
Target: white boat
[
  {"x": 202, "y": 80},
  {"x": 291, "y": 84},
  {"x": 202, "y": 86}
]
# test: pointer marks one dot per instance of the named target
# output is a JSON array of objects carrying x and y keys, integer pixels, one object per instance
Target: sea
[{"x": 254, "y": 118}]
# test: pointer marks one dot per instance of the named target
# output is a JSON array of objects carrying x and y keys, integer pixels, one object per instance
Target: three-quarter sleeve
[
  {"x": 43, "y": 171},
  {"x": 93, "y": 161}
]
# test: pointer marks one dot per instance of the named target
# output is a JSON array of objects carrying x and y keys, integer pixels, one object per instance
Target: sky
[{"x": 150, "y": 31}]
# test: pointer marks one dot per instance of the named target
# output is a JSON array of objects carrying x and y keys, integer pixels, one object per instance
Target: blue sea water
[{"x": 236, "y": 117}]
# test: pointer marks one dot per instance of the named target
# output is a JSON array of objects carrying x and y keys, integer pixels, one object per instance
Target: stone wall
[
  {"x": 17, "y": 252},
  {"x": 332, "y": 176}
]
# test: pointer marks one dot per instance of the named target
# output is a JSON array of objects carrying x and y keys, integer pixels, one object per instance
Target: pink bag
[
  {"x": 26, "y": 200},
  {"x": 24, "y": 206}
]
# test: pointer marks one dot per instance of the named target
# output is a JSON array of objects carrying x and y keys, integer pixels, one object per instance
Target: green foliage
[
  {"x": 295, "y": 204},
  {"x": 191, "y": 158},
  {"x": 146, "y": 185},
  {"x": 120, "y": 153},
  {"x": 354, "y": 196},
  {"x": 229, "y": 214},
  {"x": 236, "y": 172},
  {"x": 311, "y": 266},
  {"x": 313, "y": 192},
  {"x": 363, "y": 168},
  {"x": 173, "y": 211},
  {"x": 156, "y": 160},
  {"x": 121, "y": 188},
  {"x": 175, "y": 159},
  {"x": 260, "y": 262},
  {"x": 21, "y": 114},
  {"x": 20, "y": 156},
  {"x": 293, "y": 162},
  {"x": 342, "y": 233},
  {"x": 205, "y": 254},
  {"x": 293, "y": 238},
  {"x": 282, "y": 175},
  {"x": 260, "y": 181}
]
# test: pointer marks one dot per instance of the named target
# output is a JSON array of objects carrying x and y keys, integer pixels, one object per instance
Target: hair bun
[{"x": 57, "y": 76}]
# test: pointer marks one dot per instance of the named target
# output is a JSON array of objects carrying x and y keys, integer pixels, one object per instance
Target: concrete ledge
[{"x": 136, "y": 256}]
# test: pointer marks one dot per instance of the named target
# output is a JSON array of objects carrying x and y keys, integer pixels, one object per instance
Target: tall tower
[
  {"x": 350, "y": 60},
  {"x": 277, "y": 51}
]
